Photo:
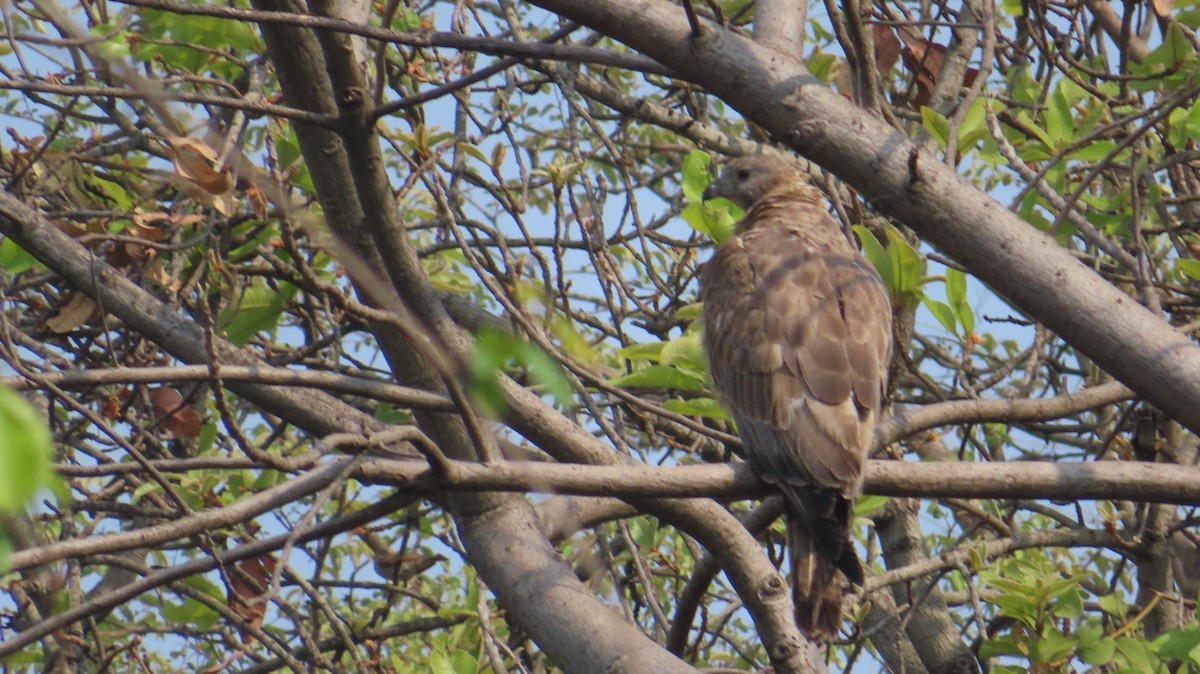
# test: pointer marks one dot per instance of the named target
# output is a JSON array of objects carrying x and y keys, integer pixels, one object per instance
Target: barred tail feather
[{"x": 822, "y": 560}]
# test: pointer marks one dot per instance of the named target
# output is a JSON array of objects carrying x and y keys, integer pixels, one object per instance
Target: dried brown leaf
[
  {"x": 925, "y": 59},
  {"x": 195, "y": 159},
  {"x": 178, "y": 418},
  {"x": 244, "y": 590},
  {"x": 71, "y": 315},
  {"x": 887, "y": 49}
]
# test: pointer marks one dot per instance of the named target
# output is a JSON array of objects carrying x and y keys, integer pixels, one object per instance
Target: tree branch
[
  {"x": 912, "y": 420},
  {"x": 263, "y": 374},
  {"x": 1107, "y": 480}
]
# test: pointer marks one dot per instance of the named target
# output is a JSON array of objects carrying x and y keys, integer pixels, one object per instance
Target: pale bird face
[{"x": 746, "y": 180}]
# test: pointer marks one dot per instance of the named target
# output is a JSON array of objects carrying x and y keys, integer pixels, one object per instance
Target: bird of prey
[{"x": 798, "y": 334}]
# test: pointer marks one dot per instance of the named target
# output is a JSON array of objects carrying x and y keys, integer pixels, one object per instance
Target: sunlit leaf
[
  {"x": 697, "y": 407},
  {"x": 658, "y": 376},
  {"x": 26, "y": 451},
  {"x": 956, "y": 293}
]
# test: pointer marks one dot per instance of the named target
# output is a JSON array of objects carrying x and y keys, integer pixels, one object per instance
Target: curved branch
[{"x": 913, "y": 420}]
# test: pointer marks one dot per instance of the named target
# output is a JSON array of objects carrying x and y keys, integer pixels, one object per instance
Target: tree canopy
[{"x": 365, "y": 336}]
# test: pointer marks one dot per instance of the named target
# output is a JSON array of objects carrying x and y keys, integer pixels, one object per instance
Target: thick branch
[
  {"x": 1108, "y": 480},
  {"x": 780, "y": 24}
]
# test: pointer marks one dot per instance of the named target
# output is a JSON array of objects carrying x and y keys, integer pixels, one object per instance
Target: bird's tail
[{"x": 822, "y": 559}]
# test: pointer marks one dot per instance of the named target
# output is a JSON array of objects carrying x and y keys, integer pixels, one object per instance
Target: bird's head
[{"x": 747, "y": 180}]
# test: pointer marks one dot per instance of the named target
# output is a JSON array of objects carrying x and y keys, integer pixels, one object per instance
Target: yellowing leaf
[{"x": 195, "y": 159}]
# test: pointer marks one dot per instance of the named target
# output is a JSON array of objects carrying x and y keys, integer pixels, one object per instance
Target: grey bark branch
[
  {"x": 928, "y": 624},
  {"x": 1109, "y": 480},
  {"x": 915, "y": 419},
  {"x": 1028, "y": 268},
  {"x": 1107, "y": 17},
  {"x": 779, "y": 24}
]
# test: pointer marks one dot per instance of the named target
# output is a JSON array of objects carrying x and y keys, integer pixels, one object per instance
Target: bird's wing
[{"x": 798, "y": 344}]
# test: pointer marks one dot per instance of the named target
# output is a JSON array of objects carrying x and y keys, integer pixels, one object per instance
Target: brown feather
[{"x": 798, "y": 337}]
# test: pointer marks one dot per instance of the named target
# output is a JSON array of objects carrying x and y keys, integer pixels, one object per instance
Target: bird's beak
[{"x": 712, "y": 191}]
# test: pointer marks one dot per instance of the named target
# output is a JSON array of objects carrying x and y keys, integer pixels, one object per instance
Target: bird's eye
[{"x": 743, "y": 174}]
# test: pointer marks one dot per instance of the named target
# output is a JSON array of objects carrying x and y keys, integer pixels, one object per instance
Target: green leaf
[
  {"x": 1099, "y": 653},
  {"x": 943, "y": 313},
  {"x": 1037, "y": 130},
  {"x": 644, "y": 531},
  {"x": 696, "y": 218},
  {"x": 936, "y": 124},
  {"x": 1114, "y": 605},
  {"x": 1192, "y": 124},
  {"x": 908, "y": 267},
  {"x": 1189, "y": 268},
  {"x": 1000, "y": 646},
  {"x": 1094, "y": 647},
  {"x": 6, "y": 550},
  {"x": 497, "y": 351},
  {"x": 956, "y": 293},
  {"x": 1018, "y": 606},
  {"x": 659, "y": 376},
  {"x": 1094, "y": 151},
  {"x": 695, "y": 175},
  {"x": 823, "y": 66},
  {"x": 463, "y": 662},
  {"x": 974, "y": 124},
  {"x": 651, "y": 351},
  {"x": 1136, "y": 655},
  {"x": 545, "y": 371},
  {"x": 869, "y": 503},
  {"x": 1181, "y": 644},
  {"x": 1068, "y": 605},
  {"x": 14, "y": 259},
  {"x": 698, "y": 407},
  {"x": 191, "y": 613},
  {"x": 1051, "y": 647},
  {"x": 1175, "y": 47},
  {"x": 685, "y": 350},
  {"x": 1060, "y": 120},
  {"x": 874, "y": 252},
  {"x": 257, "y": 310},
  {"x": 474, "y": 151},
  {"x": 439, "y": 663},
  {"x": 715, "y": 218},
  {"x": 26, "y": 452},
  {"x": 1177, "y": 122}
]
